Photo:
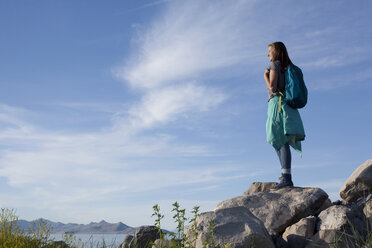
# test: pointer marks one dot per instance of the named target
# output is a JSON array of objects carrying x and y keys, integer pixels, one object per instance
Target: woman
[{"x": 284, "y": 126}]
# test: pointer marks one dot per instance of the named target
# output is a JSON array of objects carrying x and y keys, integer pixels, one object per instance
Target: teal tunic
[{"x": 284, "y": 126}]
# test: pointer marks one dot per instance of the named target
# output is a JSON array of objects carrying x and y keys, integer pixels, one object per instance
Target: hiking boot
[{"x": 285, "y": 181}]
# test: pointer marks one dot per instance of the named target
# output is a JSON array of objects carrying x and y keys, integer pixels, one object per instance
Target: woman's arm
[{"x": 272, "y": 80}]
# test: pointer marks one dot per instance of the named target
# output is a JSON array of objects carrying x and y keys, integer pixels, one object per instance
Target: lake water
[{"x": 95, "y": 240}]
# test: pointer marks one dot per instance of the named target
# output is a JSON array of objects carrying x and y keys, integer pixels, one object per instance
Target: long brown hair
[{"x": 281, "y": 54}]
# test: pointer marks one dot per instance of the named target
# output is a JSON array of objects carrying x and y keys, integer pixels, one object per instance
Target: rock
[
  {"x": 282, "y": 208},
  {"x": 335, "y": 227},
  {"x": 327, "y": 203},
  {"x": 143, "y": 236},
  {"x": 358, "y": 185},
  {"x": 338, "y": 217},
  {"x": 259, "y": 187},
  {"x": 338, "y": 202},
  {"x": 367, "y": 210},
  {"x": 297, "y": 234},
  {"x": 361, "y": 203},
  {"x": 278, "y": 240},
  {"x": 126, "y": 242},
  {"x": 324, "y": 239},
  {"x": 236, "y": 226},
  {"x": 163, "y": 243}
]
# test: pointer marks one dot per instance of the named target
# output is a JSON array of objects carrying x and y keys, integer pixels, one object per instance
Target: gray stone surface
[
  {"x": 236, "y": 226},
  {"x": 358, "y": 185},
  {"x": 327, "y": 203},
  {"x": 337, "y": 217},
  {"x": 367, "y": 209},
  {"x": 259, "y": 187},
  {"x": 364, "y": 205},
  {"x": 143, "y": 236},
  {"x": 278, "y": 240},
  {"x": 297, "y": 234},
  {"x": 164, "y": 243},
  {"x": 282, "y": 208},
  {"x": 335, "y": 227},
  {"x": 126, "y": 242}
]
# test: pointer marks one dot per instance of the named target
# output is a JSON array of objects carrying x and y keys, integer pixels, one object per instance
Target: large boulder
[
  {"x": 260, "y": 187},
  {"x": 358, "y": 185},
  {"x": 297, "y": 234},
  {"x": 159, "y": 243},
  {"x": 367, "y": 209},
  {"x": 326, "y": 204},
  {"x": 236, "y": 226},
  {"x": 143, "y": 236},
  {"x": 339, "y": 226},
  {"x": 278, "y": 241},
  {"x": 282, "y": 208},
  {"x": 126, "y": 241},
  {"x": 364, "y": 205}
]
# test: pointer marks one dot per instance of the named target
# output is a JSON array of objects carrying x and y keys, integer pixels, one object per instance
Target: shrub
[
  {"x": 13, "y": 237},
  {"x": 37, "y": 235},
  {"x": 179, "y": 239}
]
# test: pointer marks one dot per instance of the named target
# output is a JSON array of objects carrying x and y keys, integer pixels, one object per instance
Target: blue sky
[{"x": 109, "y": 107}]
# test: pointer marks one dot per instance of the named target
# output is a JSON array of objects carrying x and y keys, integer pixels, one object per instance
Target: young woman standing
[{"x": 284, "y": 126}]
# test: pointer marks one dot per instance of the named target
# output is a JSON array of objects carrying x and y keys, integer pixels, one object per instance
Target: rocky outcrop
[
  {"x": 260, "y": 187},
  {"x": 282, "y": 208},
  {"x": 236, "y": 226},
  {"x": 291, "y": 217},
  {"x": 326, "y": 204},
  {"x": 126, "y": 242},
  {"x": 143, "y": 236},
  {"x": 336, "y": 227},
  {"x": 165, "y": 243},
  {"x": 367, "y": 209},
  {"x": 298, "y": 234},
  {"x": 358, "y": 185}
]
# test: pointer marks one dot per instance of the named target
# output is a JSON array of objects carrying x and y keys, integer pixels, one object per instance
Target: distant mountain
[{"x": 102, "y": 227}]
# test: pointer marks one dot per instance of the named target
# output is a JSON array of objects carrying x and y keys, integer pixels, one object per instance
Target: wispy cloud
[
  {"x": 159, "y": 106},
  {"x": 64, "y": 169},
  {"x": 13, "y": 116},
  {"x": 173, "y": 57},
  {"x": 183, "y": 44}
]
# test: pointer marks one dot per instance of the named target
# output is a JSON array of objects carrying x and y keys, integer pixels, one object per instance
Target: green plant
[
  {"x": 38, "y": 235},
  {"x": 12, "y": 236},
  {"x": 195, "y": 212},
  {"x": 251, "y": 242},
  {"x": 71, "y": 240},
  {"x": 180, "y": 240},
  {"x": 179, "y": 217},
  {"x": 158, "y": 219}
]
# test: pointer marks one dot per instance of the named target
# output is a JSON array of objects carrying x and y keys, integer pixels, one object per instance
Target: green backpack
[{"x": 295, "y": 88}]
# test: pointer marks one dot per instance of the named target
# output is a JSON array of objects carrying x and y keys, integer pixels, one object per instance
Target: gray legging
[{"x": 284, "y": 154}]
